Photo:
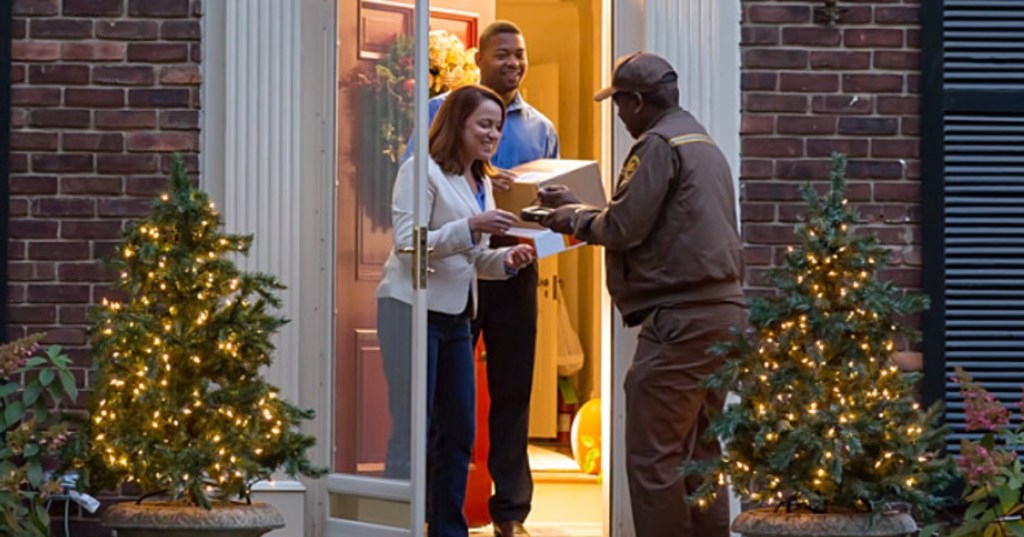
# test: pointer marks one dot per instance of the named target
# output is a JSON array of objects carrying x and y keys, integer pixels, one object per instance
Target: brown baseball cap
[{"x": 640, "y": 72}]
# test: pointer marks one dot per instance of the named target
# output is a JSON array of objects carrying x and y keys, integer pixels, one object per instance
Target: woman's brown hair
[{"x": 446, "y": 132}]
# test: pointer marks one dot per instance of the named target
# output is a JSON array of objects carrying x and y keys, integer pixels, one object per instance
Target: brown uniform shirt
[{"x": 669, "y": 231}]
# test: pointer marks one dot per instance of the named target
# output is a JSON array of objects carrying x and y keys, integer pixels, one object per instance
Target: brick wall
[
  {"x": 103, "y": 91},
  {"x": 810, "y": 89}
]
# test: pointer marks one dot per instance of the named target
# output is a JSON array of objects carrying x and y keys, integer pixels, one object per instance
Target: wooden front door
[{"x": 371, "y": 133}]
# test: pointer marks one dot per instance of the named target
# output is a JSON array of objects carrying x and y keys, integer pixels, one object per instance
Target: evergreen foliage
[
  {"x": 180, "y": 406},
  {"x": 826, "y": 420}
]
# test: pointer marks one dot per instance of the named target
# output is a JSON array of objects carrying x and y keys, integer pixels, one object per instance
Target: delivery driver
[{"x": 674, "y": 268}]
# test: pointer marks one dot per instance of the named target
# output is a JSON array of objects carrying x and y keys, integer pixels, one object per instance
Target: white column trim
[{"x": 701, "y": 39}]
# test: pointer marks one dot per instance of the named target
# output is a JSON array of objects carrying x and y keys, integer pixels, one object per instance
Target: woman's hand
[
  {"x": 495, "y": 222},
  {"x": 518, "y": 257},
  {"x": 503, "y": 179}
]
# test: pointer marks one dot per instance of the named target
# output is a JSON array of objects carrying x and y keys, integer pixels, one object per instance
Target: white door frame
[{"x": 701, "y": 39}]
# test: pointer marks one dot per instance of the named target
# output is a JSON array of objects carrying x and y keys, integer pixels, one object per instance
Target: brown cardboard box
[
  {"x": 544, "y": 241},
  {"x": 583, "y": 177}
]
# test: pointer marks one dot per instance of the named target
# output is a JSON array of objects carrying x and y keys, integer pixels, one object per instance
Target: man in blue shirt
[{"x": 507, "y": 310}]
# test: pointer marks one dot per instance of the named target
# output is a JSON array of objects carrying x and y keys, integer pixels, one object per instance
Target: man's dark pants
[
  {"x": 665, "y": 418},
  {"x": 507, "y": 315}
]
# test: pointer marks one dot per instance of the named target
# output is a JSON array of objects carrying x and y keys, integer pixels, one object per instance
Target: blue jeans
[{"x": 450, "y": 408}]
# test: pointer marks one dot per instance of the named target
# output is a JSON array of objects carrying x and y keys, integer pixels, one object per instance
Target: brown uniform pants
[{"x": 665, "y": 418}]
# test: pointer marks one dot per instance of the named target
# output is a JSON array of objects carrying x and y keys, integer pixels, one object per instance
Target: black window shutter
[{"x": 972, "y": 163}]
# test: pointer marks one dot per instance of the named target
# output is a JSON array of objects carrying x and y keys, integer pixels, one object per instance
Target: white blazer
[{"x": 457, "y": 257}]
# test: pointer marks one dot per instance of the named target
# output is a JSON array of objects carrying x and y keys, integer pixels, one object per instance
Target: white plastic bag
[{"x": 570, "y": 351}]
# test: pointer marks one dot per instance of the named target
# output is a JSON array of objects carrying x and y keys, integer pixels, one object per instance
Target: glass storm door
[{"x": 377, "y": 484}]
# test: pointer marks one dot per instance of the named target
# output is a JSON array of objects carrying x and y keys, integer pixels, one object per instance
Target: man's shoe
[{"x": 510, "y": 528}]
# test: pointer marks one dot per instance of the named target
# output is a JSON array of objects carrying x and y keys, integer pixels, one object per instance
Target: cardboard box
[
  {"x": 583, "y": 177},
  {"x": 544, "y": 241}
]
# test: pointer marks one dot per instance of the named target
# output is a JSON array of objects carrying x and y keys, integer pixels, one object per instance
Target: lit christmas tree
[
  {"x": 180, "y": 406},
  {"x": 826, "y": 420}
]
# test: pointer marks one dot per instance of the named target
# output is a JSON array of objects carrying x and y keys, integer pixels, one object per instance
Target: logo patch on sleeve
[{"x": 629, "y": 169}]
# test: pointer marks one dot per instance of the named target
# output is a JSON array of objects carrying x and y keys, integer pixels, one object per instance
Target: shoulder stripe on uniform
[{"x": 689, "y": 139}]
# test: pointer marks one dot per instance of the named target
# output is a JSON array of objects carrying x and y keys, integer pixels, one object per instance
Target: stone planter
[
  {"x": 769, "y": 523},
  {"x": 160, "y": 519}
]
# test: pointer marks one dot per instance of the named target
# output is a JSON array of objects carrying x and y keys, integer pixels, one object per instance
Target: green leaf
[
  {"x": 14, "y": 413},
  {"x": 34, "y": 361},
  {"x": 67, "y": 380},
  {"x": 46, "y": 377},
  {"x": 8, "y": 389},
  {"x": 975, "y": 509},
  {"x": 929, "y": 530},
  {"x": 31, "y": 450},
  {"x": 1016, "y": 528},
  {"x": 993, "y": 530},
  {"x": 31, "y": 393},
  {"x": 1007, "y": 498},
  {"x": 35, "y": 474}
]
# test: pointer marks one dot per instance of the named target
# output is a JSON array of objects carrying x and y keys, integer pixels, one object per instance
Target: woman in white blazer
[{"x": 463, "y": 137}]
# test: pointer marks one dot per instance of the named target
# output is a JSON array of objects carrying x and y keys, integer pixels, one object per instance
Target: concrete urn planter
[
  {"x": 160, "y": 519},
  {"x": 769, "y": 523}
]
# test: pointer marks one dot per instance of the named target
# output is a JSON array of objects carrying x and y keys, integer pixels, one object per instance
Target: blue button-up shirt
[{"x": 527, "y": 134}]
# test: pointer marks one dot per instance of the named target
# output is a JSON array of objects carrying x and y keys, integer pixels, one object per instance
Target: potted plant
[
  {"x": 180, "y": 410},
  {"x": 827, "y": 436},
  {"x": 34, "y": 385}
]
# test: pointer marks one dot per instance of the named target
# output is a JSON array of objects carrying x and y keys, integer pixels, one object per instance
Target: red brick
[
  {"x": 889, "y": 148},
  {"x": 855, "y": 15},
  {"x": 772, "y": 147},
  {"x": 841, "y": 104},
  {"x": 874, "y": 169},
  {"x": 17, "y": 74},
  {"x": 18, "y": 163},
  {"x": 872, "y": 83},
  {"x": 811, "y": 36},
  {"x": 19, "y": 28},
  {"x": 757, "y": 125},
  {"x": 904, "y": 15},
  {"x": 759, "y": 35},
  {"x": 36, "y": 8},
  {"x": 106, "y": 250},
  {"x": 183, "y": 75},
  {"x": 30, "y": 96},
  {"x": 58, "y": 74},
  {"x": 179, "y": 120},
  {"x": 127, "y": 30},
  {"x": 93, "y": 8},
  {"x": 34, "y": 141},
  {"x": 159, "y": 98},
  {"x": 94, "y": 184},
  {"x": 913, "y": 83},
  {"x": 158, "y": 8},
  {"x": 119, "y": 164},
  {"x": 758, "y": 81},
  {"x": 94, "y": 98},
  {"x": 196, "y": 53},
  {"x": 59, "y": 117},
  {"x": 60, "y": 28},
  {"x": 93, "y": 51},
  {"x": 58, "y": 250},
  {"x": 914, "y": 38},
  {"x": 64, "y": 336},
  {"x": 180, "y": 31},
  {"x": 892, "y": 59},
  {"x": 769, "y": 234},
  {"x": 855, "y": 147},
  {"x": 778, "y": 14},
  {"x": 33, "y": 184},
  {"x": 757, "y": 212},
  {"x": 757, "y": 255},
  {"x": 16, "y": 251},
  {"x": 756, "y": 169},
  {"x": 124, "y": 75},
  {"x": 772, "y": 58},
  {"x": 125, "y": 119},
  {"x": 55, "y": 162},
  {"x": 157, "y": 52},
  {"x": 873, "y": 37},
  {"x": 63, "y": 207},
  {"x": 58, "y": 293},
  {"x": 898, "y": 105},
  {"x": 17, "y": 207},
  {"x": 92, "y": 142},
  {"x": 85, "y": 272},
  {"x": 21, "y": 228},
  {"x": 803, "y": 170},
  {"x": 125, "y": 207},
  {"x": 840, "y": 60},
  {"x": 868, "y": 126},
  {"x": 35, "y": 51},
  {"x": 910, "y": 126},
  {"x": 806, "y": 125},
  {"x": 90, "y": 229},
  {"x": 810, "y": 83},
  {"x": 146, "y": 186},
  {"x": 769, "y": 102},
  {"x": 31, "y": 314},
  {"x": 74, "y": 314},
  {"x": 191, "y": 165},
  {"x": 162, "y": 142}
]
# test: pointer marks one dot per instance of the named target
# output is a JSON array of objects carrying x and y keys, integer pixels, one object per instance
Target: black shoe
[{"x": 510, "y": 528}]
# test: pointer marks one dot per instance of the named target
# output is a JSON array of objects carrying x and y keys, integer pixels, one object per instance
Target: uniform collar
[{"x": 661, "y": 117}]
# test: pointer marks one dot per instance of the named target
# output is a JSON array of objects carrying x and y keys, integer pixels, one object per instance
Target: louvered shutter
[{"x": 972, "y": 158}]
